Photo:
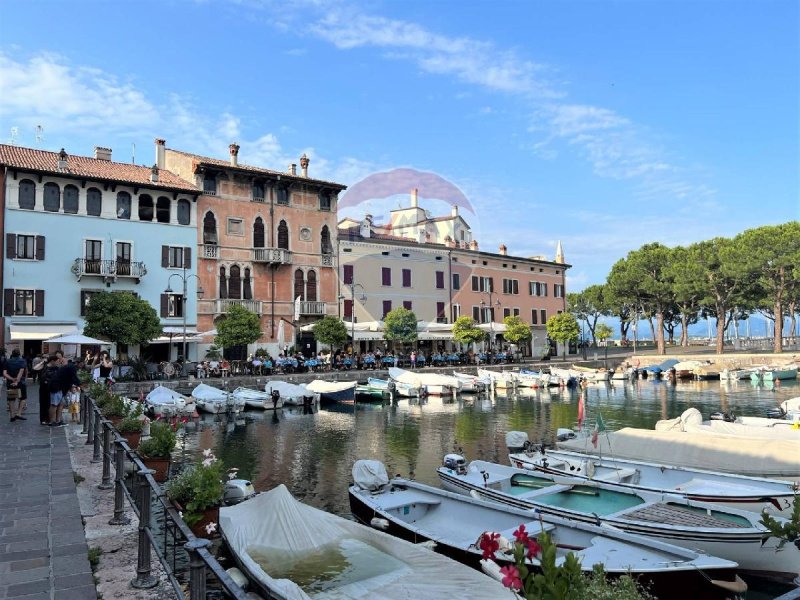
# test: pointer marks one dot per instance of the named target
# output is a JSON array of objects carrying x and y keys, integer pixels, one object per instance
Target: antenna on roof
[
  {"x": 133, "y": 153},
  {"x": 39, "y": 134},
  {"x": 14, "y": 133}
]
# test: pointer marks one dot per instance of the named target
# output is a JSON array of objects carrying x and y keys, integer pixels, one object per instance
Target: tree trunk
[
  {"x": 777, "y": 344},
  {"x": 720, "y": 330},
  {"x": 684, "y": 330},
  {"x": 652, "y": 329},
  {"x": 792, "y": 320},
  {"x": 661, "y": 348}
]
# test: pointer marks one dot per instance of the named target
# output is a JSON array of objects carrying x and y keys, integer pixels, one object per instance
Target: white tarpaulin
[
  {"x": 39, "y": 331},
  {"x": 77, "y": 338}
]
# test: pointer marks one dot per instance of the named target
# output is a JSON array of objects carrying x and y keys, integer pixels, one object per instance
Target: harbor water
[{"x": 312, "y": 452}]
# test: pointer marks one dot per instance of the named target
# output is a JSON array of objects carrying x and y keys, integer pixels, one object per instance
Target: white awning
[
  {"x": 179, "y": 330},
  {"x": 176, "y": 339},
  {"x": 435, "y": 335},
  {"x": 39, "y": 331}
]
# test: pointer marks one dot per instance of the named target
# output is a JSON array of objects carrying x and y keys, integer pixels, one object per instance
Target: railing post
[
  {"x": 197, "y": 568},
  {"x": 119, "y": 517},
  {"x": 90, "y": 421},
  {"x": 106, "y": 484},
  {"x": 144, "y": 579},
  {"x": 98, "y": 425},
  {"x": 84, "y": 411}
]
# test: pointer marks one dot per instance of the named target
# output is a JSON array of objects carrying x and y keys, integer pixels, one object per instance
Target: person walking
[
  {"x": 14, "y": 374},
  {"x": 66, "y": 378},
  {"x": 37, "y": 367},
  {"x": 47, "y": 383}
]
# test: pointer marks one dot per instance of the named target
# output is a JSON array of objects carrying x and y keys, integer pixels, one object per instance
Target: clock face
[{"x": 305, "y": 234}]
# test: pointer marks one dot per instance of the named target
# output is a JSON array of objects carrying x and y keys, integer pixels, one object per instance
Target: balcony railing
[
  {"x": 328, "y": 260},
  {"x": 316, "y": 309},
  {"x": 223, "y": 306},
  {"x": 272, "y": 255},
  {"x": 110, "y": 269},
  {"x": 209, "y": 251}
]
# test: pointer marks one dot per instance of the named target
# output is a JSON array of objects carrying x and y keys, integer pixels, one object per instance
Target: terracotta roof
[
  {"x": 216, "y": 162},
  {"x": 43, "y": 161}
]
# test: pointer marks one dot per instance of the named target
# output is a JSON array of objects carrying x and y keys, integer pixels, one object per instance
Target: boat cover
[
  {"x": 320, "y": 386},
  {"x": 286, "y": 389},
  {"x": 691, "y": 421},
  {"x": 423, "y": 378},
  {"x": 370, "y": 475},
  {"x": 275, "y": 522},
  {"x": 208, "y": 393},
  {"x": 516, "y": 439},
  {"x": 248, "y": 394},
  {"x": 740, "y": 455},
  {"x": 164, "y": 395}
]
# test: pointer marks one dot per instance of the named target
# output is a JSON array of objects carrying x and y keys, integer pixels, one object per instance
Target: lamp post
[
  {"x": 184, "y": 279},
  {"x": 363, "y": 299},
  {"x": 489, "y": 308}
]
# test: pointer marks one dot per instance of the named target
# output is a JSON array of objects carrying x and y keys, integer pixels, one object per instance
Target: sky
[{"x": 603, "y": 124}]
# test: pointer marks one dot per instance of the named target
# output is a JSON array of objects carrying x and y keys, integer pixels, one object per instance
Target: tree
[
  {"x": 330, "y": 331},
  {"x": 466, "y": 331},
  {"x": 687, "y": 285},
  {"x": 589, "y": 305},
  {"x": 603, "y": 332},
  {"x": 517, "y": 330},
  {"x": 400, "y": 325},
  {"x": 240, "y": 327},
  {"x": 122, "y": 318},
  {"x": 563, "y": 328}
]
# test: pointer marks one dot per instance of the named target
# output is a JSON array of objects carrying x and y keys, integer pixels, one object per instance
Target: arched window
[
  {"x": 70, "y": 199},
  {"x": 145, "y": 207},
  {"x": 299, "y": 284},
  {"x": 223, "y": 283},
  {"x": 123, "y": 205},
  {"x": 247, "y": 288},
  {"x": 184, "y": 212},
  {"x": 209, "y": 229},
  {"x": 52, "y": 197},
  {"x": 235, "y": 283},
  {"x": 162, "y": 209},
  {"x": 94, "y": 202},
  {"x": 258, "y": 233},
  {"x": 311, "y": 286},
  {"x": 27, "y": 194},
  {"x": 327, "y": 248},
  {"x": 283, "y": 235}
]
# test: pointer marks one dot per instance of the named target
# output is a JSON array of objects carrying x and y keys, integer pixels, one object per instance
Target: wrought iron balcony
[
  {"x": 328, "y": 260},
  {"x": 272, "y": 255},
  {"x": 108, "y": 269},
  {"x": 224, "y": 305},
  {"x": 209, "y": 251},
  {"x": 315, "y": 309}
]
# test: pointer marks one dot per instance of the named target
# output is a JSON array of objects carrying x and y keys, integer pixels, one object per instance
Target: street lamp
[
  {"x": 362, "y": 299},
  {"x": 489, "y": 308},
  {"x": 185, "y": 279}
]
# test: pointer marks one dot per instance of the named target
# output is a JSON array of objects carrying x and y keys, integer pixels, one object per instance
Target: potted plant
[
  {"x": 197, "y": 492},
  {"x": 156, "y": 451},
  {"x": 130, "y": 428},
  {"x": 114, "y": 409}
]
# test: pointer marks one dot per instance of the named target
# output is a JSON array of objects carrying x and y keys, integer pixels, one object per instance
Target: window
[
  {"x": 124, "y": 258},
  {"x": 311, "y": 286},
  {"x": 27, "y": 194},
  {"x": 258, "y": 191},
  {"x": 145, "y": 207},
  {"x": 210, "y": 184},
  {"x": 482, "y": 284},
  {"x": 543, "y": 315},
  {"x": 439, "y": 280},
  {"x": 223, "y": 283},
  {"x": 407, "y": 304},
  {"x": 258, "y": 233},
  {"x": 171, "y": 305},
  {"x": 516, "y": 312},
  {"x": 94, "y": 202},
  {"x": 209, "y": 228},
  {"x": 235, "y": 283},
  {"x": 235, "y": 226},
  {"x": 24, "y": 302},
  {"x": 506, "y": 312},
  {"x": 93, "y": 255},
  {"x": 176, "y": 257},
  {"x": 299, "y": 284},
  {"x": 325, "y": 240},
  {"x": 348, "y": 309},
  {"x": 488, "y": 313},
  {"x": 324, "y": 201},
  {"x": 184, "y": 212},
  {"x": 163, "y": 209},
  {"x": 537, "y": 288},
  {"x": 510, "y": 286},
  {"x": 455, "y": 312},
  {"x": 534, "y": 317},
  {"x": 86, "y": 299},
  {"x": 247, "y": 287},
  {"x": 440, "y": 317},
  {"x": 387, "y": 308},
  {"x": 26, "y": 247},
  {"x": 543, "y": 288},
  {"x": 282, "y": 195},
  {"x": 475, "y": 283},
  {"x": 124, "y": 205},
  {"x": 476, "y": 314},
  {"x": 456, "y": 281},
  {"x": 558, "y": 290},
  {"x": 70, "y": 199},
  {"x": 406, "y": 277},
  {"x": 386, "y": 276},
  {"x": 52, "y": 197},
  {"x": 347, "y": 274},
  {"x": 283, "y": 235}
]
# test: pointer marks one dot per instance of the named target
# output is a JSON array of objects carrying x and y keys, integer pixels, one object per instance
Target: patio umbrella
[{"x": 77, "y": 338}]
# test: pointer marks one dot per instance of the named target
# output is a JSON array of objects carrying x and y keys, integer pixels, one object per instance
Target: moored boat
[
  {"x": 400, "y": 389},
  {"x": 165, "y": 402},
  {"x": 774, "y": 373},
  {"x": 257, "y": 399},
  {"x": 333, "y": 391},
  {"x": 213, "y": 400},
  {"x": 500, "y": 379},
  {"x": 433, "y": 383},
  {"x": 291, "y": 394},
  {"x": 472, "y": 384}
]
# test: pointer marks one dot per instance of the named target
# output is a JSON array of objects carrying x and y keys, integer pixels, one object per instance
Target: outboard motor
[
  {"x": 722, "y": 416},
  {"x": 776, "y": 413},
  {"x": 237, "y": 490},
  {"x": 391, "y": 386},
  {"x": 563, "y": 434},
  {"x": 455, "y": 462},
  {"x": 276, "y": 396},
  {"x": 517, "y": 441}
]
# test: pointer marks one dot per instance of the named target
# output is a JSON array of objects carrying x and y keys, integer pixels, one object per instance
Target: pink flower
[
  {"x": 533, "y": 548},
  {"x": 521, "y": 535},
  {"x": 489, "y": 544},
  {"x": 511, "y": 577}
]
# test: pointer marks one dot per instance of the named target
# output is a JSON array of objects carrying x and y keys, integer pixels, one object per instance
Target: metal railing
[
  {"x": 209, "y": 251},
  {"x": 312, "y": 308},
  {"x": 328, "y": 260},
  {"x": 272, "y": 255},
  {"x": 223, "y": 306},
  {"x": 83, "y": 267},
  {"x": 185, "y": 558}
]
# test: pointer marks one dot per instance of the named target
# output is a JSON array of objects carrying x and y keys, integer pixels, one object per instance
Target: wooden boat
[
  {"x": 417, "y": 513},
  {"x": 333, "y": 391},
  {"x": 165, "y": 402},
  {"x": 774, "y": 373},
  {"x": 432, "y": 383},
  {"x": 257, "y": 399},
  {"x": 290, "y": 550},
  {"x": 291, "y": 394},
  {"x": 499, "y": 379},
  {"x": 400, "y": 389},
  {"x": 369, "y": 393},
  {"x": 729, "y": 533},
  {"x": 213, "y": 400},
  {"x": 737, "y": 491}
]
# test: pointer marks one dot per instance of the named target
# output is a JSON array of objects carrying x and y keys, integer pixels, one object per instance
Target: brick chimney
[
  {"x": 161, "y": 146},
  {"x": 304, "y": 165},
  {"x": 292, "y": 169},
  {"x": 62, "y": 160},
  {"x": 473, "y": 245},
  {"x": 101, "y": 153},
  {"x": 154, "y": 174},
  {"x": 503, "y": 250},
  {"x": 414, "y": 198},
  {"x": 234, "y": 150},
  {"x": 454, "y": 211}
]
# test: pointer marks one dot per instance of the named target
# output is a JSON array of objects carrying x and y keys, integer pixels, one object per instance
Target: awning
[
  {"x": 435, "y": 335},
  {"x": 179, "y": 330},
  {"x": 176, "y": 339},
  {"x": 39, "y": 331}
]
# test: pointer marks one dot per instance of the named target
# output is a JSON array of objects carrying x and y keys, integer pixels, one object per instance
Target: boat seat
[{"x": 629, "y": 475}]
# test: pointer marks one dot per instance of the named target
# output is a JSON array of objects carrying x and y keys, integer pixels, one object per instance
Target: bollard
[
  {"x": 197, "y": 568},
  {"x": 144, "y": 579},
  {"x": 98, "y": 428},
  {"x": 106, "y": 484},
  {"x": 90, "y": 421},
  {"x": 119, "y": 517},
  {"x": 84, "y": 416}
]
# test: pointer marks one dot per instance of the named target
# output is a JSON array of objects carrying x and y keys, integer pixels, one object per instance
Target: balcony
[
  {"x": 223, "y": 306},
  {"x": 209, "y": 251},
  {"x": 110, "y": 270},
  {"x": 328, "y": 260},
  {"x": 312, "y": 309},
  {"x": 277, "y": 256}
]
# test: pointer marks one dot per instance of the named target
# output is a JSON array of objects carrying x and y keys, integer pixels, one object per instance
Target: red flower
[
  {"x": 533, "y": 548},
  {"x": 521, "y": 535},
  {"x": 489, "y": 544},
  {"x": 511, "y": 577}
]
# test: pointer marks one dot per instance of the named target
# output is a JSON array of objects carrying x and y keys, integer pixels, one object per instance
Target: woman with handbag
[{"x": 14, "y": 374}]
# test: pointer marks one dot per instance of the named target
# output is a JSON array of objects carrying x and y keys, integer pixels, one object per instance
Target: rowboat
[
  {"x": 432, "y": 383},
  {"x": 213, "y": 400},
  {"x": 401, "y": 389},
  {"x": 737, "y": 491},
  {"x": 499, "y": 379},
  {"x": 472, "y": 383},
  {"x": 774, "y": 373},
  {"x": 722, "y": 531},
  {"x": 333, "y": 391},
  {"x": 257, "y": 399},
  {"x": 165, "y": 402},
  {"x": 418, "y": 513},
  {"x": 532, "y": 379},
  {"x": 371, "y": 393},
  {"x": 292, "y": 551},
  {"x": 291, "y": 394}
]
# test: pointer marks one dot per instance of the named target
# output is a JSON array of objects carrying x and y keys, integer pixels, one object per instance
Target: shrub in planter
[
  {"x": 198, "y": 492},
  {"x": 114, "y": 409},
  {"x": 156, "y": 450},
  {"x": 130, "y": 428}
]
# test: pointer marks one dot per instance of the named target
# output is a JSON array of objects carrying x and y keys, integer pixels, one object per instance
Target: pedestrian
[
  {"x": 74, "y": 403},
  {"x": 14, "y": 374},
  {"x": 37, "y": 366},
  {"x": 103, "y": 363},
  {"x": 47, "y": 383},
  {"x": 66, "y": 378}
]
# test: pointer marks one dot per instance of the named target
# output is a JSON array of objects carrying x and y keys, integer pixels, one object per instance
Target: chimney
[
  {"x": 161, "y": 146},
  {"x": 449, "y": 242},
  {"x": 473, "y": 245},
  {"x": 62, "y": 160},
  {"x": 101, "y": 153},
  {"x": 154, "y": 174},
  {"x": 304, "y": 165},
  {"x": 454, "y": 211},
  {"x": 365, "y": 230},
  {"x": 292, "y": 169},
  {"x": 234, "y": 150},
  {"x": 503, "y": 250},
  {"x": 414, "y": 198}
]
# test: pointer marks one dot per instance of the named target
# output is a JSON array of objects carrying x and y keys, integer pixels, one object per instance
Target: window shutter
[
  {"x": 8, "y": 302},
  {"x": 387, "y": 307},
  {"x": 440, "y": 310},
  {"x": 165, "y": 256},
  {"x": 11, "y": 245},
  {"x": 38, "y": 308},
  {"x": 439, "y": 280},
  {"x": 348, "y": 309},
  {"x": 164, "y": 305},
  {"x": 83, "y": 303},
  {"x": 187, "y": 258},
  {"x": 348, "y": 274},
  {"x": 491, "y": 284},
  {"x": 475, "y": 283},
  {"x": 39, "y": 247},
  {"x": 386, "y": 276},
  {"x": 544, "y": 289},
  {"x": 534, "y": 317}
]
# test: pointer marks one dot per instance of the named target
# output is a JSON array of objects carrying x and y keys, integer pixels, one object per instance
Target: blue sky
[{"x": 604, "y": 124}]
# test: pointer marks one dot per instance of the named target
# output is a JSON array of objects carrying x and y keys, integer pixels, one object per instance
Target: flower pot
[
  {"x": 210, "y": 515},
  {"x": 115, "y": 420},
  {"x": 132, "y": 438},
  {"x": 159, "y": 465}
]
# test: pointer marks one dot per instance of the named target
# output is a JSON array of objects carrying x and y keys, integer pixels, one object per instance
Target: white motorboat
[
  {"x": 291, "y": 394},
  {"x": 691, "y": 421},
  {"x": 333, "y": 391},
  {"x": 406, "y": 390},
  {"x": 433, "y": 383},
  {"x": 737, "y": 491},
  {"x": 500, "y": 379},
  {"x": 257, "y": 399},
  {"x": 472, "y": 384},
  {"x": 214, "y": 400},
  {"x": 292, "y": 551},
  {"x": 418, "y": 512},
  {"x": 165, "y": 402},
  {"x": 532, "y": 379}
]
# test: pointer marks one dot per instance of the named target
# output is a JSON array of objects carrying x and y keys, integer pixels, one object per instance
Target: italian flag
[{"x": 599, "y": 426}]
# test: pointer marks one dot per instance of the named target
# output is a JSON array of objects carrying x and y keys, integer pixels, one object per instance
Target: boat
[
  {"x": 407, "y": 390},
  {"x": 370, "y": 393},
  {"x": 660, "y": 368},
  {"x": 214, "y": 400},
  {"x": 691, "y": 421},
  {"x": 292, "y": 551},
  {"x": 418, "y": 513},
  {"x": 165, "y": 402},
  {"x": 472, "y": 384},
  {"x": 257, "y": 399},
  {"x": 432, "y": 383},
  {"x": 592, "y": 375},
  {"x": 774, "y": 373},
  {"x": 499, "y": 379},
  {"x": 721, "y": 531},
  {"x": 333, "y": 391},
  {"x": 707, "y": 372},
  {"x": 737, "y": 491},
  {"x": 291, "y": 394},
  {"x": 532, "y": 379}
]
